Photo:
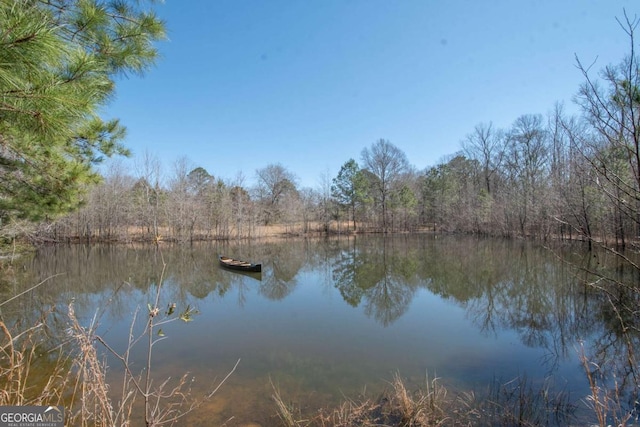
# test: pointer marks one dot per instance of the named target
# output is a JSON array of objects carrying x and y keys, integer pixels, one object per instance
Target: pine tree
[
  {"x": 58, "y": 63},
  {"x": 349, "y": 187}
]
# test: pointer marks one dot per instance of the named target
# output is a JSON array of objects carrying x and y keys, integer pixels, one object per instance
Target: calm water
[{"x": 331, "y": 318}]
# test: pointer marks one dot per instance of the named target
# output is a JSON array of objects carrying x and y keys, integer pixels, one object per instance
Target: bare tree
[
  {"x": 182, "y": 207},
  {"x": 611, "y": 150},
  {"x": 325, "y": 206},
  {"x": 526, "y": 163},
  {"x": 241, "y": 207},
  {"x": 387, "y": 163},
  {"x": 148, "y": 194},
  {"x": 486, "y": 145},
  {"x": 275, "y": 182},
  {"x": 107, "y": 214},
  {"x": 110, "y": 205},
  {"x": 613, "y": 112}
]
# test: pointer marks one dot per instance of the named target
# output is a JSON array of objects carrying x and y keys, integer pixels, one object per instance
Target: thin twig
[
  {"x": 224, "y": 379},
  {"x": 30, "y": 289}
]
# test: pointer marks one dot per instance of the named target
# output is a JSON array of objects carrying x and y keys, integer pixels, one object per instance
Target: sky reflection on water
[
  {"x": 313, "y": 334},
  {"x": 329, "y": 318}
]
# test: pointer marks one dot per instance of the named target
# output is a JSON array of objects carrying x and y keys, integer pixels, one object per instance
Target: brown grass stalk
[
  {"x": 605, "y": 404},
  {"x": 19, "y": 353}
]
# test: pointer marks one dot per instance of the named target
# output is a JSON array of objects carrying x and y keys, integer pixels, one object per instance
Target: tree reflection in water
[
  {"x": 613, "y": 356},
  {"x": 502, "y": 286},
  {"x": 386, "y": 281}
]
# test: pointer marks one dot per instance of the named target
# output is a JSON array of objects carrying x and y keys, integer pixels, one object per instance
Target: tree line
[{"x": 545, "y": 176}]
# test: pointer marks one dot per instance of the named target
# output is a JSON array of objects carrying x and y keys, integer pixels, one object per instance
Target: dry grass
[
  {"x": 433, "y": 405},
  {"x": 21, "y": 357},
  {"x": 77, "y": 381},
  {"x": 603, "y": 402},
  {"x": 397, "y": 406},
  {"x": 74, "y": 376},
  {"x": 421, "y": 408},
  {"x": 90, "y": 401}
]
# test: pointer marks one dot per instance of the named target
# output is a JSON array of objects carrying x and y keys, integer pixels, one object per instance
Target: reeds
[
  {"x": 604, "y": 402},
  {"x": 397, "y": 406},
  {"x": 514, "y": 403},
  {"x": 76, "y": 373},
  {"x": 20, "y": 354},
  {"x": 521, "y": 403},
  {"x": 90, "y": 402},
  {"x": 77, "y": 380}
]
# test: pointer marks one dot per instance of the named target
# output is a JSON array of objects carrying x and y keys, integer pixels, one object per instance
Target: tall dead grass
[
  {"x": 74, "y": 373},
  {"x": 77, "y": 380},
  {"x": 397, "y": 406},
  {"x": 21, "y": 356},
  {"x": 434, "y": 405},
  {"x": 605, "y": 402}
]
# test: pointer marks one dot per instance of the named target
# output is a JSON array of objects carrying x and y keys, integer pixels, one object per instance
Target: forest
[
  {"x": 551, "y": 176},
  {"x": 546, "y": 176}
]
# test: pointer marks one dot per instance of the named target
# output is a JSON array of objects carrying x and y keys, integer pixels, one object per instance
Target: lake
[{"x": 332, "y": 318}]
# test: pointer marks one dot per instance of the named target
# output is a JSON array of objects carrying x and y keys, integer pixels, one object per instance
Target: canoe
[{"x": 236, "y": 264}]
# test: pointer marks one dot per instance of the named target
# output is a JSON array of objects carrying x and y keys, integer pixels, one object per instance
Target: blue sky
[{"x": 310, "y": 83}]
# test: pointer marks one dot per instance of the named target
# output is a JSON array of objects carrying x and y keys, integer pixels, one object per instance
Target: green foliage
[
  {"x": 445, "y": 187},
  {"x": 59, "y": 60},
  {"x": 343, "y": 188},
  {"x": 404, "y": 198},
  {"x": 199, "y": 180},
  {"x": 350, "y": 187}
]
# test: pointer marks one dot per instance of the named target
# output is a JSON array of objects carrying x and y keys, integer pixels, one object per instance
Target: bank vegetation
[{"x": 547, "y": 176}]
